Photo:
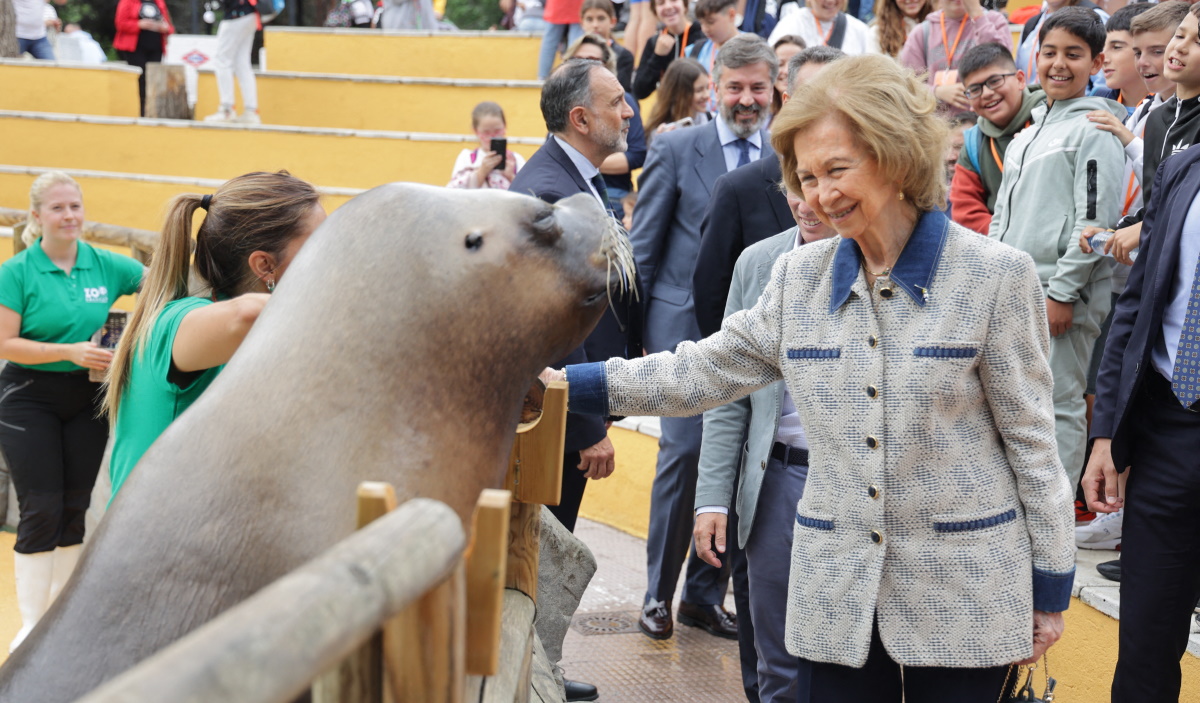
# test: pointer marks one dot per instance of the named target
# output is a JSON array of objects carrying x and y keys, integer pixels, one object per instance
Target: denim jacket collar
[{"x": 914, "y": 269}]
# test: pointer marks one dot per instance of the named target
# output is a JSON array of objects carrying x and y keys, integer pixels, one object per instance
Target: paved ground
[{"x": 604, "y": 646}]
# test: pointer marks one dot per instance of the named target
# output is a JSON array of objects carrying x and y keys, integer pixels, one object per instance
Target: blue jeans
[
  {"x": 37, "y": 48},
  {"x": 554, "y": 35}
]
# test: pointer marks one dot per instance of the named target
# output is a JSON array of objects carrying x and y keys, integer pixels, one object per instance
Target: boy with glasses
[{"x": 996, "y": 91}]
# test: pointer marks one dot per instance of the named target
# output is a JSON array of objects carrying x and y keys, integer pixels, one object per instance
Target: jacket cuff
[
  {"x": 1052, "y": 590},
  {"x": 588, "y": 389}
]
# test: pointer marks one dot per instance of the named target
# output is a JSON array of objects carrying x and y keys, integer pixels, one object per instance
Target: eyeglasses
[{"x": 993, "y": 82}]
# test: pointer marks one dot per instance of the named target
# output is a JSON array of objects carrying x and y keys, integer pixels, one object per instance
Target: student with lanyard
[
  {"x": 54, "y": 296},
  {"x": 175, "y": 344},
  {"x": 822, "y": 23},
  {"x": 1027, "y": 47},
  {"x": 929, "y": 50},
  {"x": 675, "y": 37}
]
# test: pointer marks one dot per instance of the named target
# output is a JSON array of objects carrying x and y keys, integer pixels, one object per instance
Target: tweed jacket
[
  {"x": 754, "y": 419},
  {"x": 936, "y": 504}
]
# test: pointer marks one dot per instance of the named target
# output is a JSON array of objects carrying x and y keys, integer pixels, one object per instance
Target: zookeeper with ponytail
[
  {"x": 175, "y": 344},
  {"x": 54, "y": 296}
]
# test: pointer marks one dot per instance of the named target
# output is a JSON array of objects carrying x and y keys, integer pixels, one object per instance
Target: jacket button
[
  {"x": 872, "y": 443},
  {"x": 885, "y": 292},
  {"x": 876, "y": 536},
  {"x": 873, "y": 491},
  {"x": 872, "y": 391},
  {"x": 764, "y": 465},
  {"x": 872, "y": 341}
]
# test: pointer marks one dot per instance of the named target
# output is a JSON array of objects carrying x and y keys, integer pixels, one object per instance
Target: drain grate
[{"x": 606, "y": 623}]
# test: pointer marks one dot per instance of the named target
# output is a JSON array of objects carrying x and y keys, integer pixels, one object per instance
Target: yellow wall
[
  {"x": 623, "y": 499},
  {"x": 377, "y": 105},
  {"x": 498, "y": 55},
  {"x": 125, "y": 202},
  {"x": 31, "y": 85},
  {"x": 182, "y": 149}
]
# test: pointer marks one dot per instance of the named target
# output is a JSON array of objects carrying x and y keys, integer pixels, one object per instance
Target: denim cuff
[
  {"x": 1052, "y": 590},
  {"x": 588, "y": 389}
]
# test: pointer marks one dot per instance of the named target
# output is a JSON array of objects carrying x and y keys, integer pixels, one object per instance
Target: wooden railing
[{"x": 404, "y": 610}]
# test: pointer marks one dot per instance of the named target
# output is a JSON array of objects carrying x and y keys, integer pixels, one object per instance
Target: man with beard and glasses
[
  {"x": 588, "y": 120},
  {"x": 675, "y": 188}
]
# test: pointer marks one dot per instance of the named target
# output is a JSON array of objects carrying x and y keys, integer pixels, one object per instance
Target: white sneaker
[
  {"x": 248, "y": 117},
  {"x": 223, "y": 114},
  {"x": 1102, "y": 533}
]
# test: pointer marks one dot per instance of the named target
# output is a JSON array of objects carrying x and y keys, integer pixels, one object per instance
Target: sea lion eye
[{"x": 474, "y": 241}]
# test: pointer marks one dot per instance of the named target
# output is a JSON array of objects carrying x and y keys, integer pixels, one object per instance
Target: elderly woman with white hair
[{"x": 933, "y": 548}]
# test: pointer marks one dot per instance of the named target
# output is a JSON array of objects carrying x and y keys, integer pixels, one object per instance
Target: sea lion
[{"x": 399, "y": 348}]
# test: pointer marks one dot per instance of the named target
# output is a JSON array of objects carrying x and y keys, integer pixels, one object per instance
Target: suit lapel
[
  {"x": 768, "y": 263},
  {"x": 1164, "y": 272},
  {"x": 772, "y": 174},
  {"x": 710, "y": 163},
  {"x": 560, "y": 157}
]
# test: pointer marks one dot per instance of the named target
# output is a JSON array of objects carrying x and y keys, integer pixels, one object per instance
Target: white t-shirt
[
  {"x": 31, "y": 22},
  {"x": 801, "y": 22}
]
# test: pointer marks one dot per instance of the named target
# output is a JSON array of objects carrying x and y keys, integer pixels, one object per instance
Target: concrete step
[
  {"x": 467, "y": 55},
  {"x": 60, "y": 86},
  {"x": 383, "y": 103},
  {"x": 128, "y": 199},
  {"x": 330, "y": 157}
]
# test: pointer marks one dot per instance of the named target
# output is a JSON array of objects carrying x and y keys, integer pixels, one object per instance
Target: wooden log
[
  {"x": 524, "y": 536},
  {"x": 512, "y": 680},
  {"x": 487, "y": 564},
  {"x": 535, "y": 465},
  {"x": 424, "y": 649},
  {"x": 359, "y": 677},
  {"x": 266, "y": 649},
  {"x": 166, "y": 92}
]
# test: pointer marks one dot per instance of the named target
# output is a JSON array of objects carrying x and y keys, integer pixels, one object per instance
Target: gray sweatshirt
[{"x": 1061, "y": 175}]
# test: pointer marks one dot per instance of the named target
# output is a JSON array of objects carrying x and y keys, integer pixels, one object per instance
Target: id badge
[{"x": 946, "y": 76}]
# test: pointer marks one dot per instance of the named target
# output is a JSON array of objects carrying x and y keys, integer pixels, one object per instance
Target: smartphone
[{"x": 500, "y": 146}]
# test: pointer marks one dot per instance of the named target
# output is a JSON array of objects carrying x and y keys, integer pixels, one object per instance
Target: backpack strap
[
  {"x": 839, "y": 31},
  {"x": 972, "y": 142}
]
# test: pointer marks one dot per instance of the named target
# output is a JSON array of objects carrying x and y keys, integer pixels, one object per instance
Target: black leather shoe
[
  {"x": 1110, "y": 570},
  {"x": 713, "y": 618},
  {"x": 655, "y": 621},
  {"x": 580, "y": 691}
]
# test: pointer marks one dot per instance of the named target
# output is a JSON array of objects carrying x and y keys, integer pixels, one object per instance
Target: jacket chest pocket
[{"x": 944, "y": 372}]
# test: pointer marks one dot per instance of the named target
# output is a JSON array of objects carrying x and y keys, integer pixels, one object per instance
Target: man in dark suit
[
  {"x": 676, "y": 186},
  {"x": 747, "y": 206},
  {"x": 1146, "y": 421},
  {"x": 588, "y": 120}
]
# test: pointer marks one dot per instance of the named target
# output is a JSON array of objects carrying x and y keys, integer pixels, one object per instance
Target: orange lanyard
[
  {"x": 951, "y": 50},
  {"x": 682, "y": 44},
  {"x": 825, "y": 40},
  {"x": 996, "y": 154}
]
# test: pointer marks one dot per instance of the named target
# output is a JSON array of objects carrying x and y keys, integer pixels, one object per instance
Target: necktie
[
  {"x": 1185, "y": 377},
  {"x": 598, "y": 184},
  {"x": 743, "y": 152}
]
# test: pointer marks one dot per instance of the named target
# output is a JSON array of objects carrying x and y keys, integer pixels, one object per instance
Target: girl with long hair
[
  {"x": 683, "y": 92},
  {"x": 175, "y": 343},
  {"x": 894, "y": 21}
]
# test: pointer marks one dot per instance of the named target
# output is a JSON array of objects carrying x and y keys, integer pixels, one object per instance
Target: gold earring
[{"x": 900, "y": 195}]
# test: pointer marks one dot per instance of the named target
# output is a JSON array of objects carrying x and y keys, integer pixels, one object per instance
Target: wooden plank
[
  {"x": 424, "y": 649},
  {"x": 166, "y": 92},
  {"x": 524, "y": 535},
  {"x": 267, "y": 647},
  {"x": 511, "y": 684},
  {"x": 359, "y": 677},
  {"x": 535, "y": 465},
  {"x": 487, "y": 564}
]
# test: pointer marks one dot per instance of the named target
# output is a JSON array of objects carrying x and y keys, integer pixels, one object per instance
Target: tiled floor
[{"x": 627, "y": 666}]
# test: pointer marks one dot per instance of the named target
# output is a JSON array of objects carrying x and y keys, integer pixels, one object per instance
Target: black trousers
[
  {"x": 1160, "y": 551},
  {"x": 881, "y": 680},
  {"x": 140, "y": 57},
  {"x": 573, "y": 485},
  {"x": 53, "y": 440}
]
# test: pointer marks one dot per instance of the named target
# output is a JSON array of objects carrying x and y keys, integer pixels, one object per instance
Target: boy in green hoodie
[
  {"x": 996, "y": 91},
  {"x": 1061, "y": 175}
]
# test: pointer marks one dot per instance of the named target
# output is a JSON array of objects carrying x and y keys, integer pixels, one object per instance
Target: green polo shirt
[
  {"x": 64, "y": 309},
  {"x": 151, "y": 400}
]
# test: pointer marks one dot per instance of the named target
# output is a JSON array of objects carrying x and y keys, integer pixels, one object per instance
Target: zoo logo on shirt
[{"x": 95, "y": 295}]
